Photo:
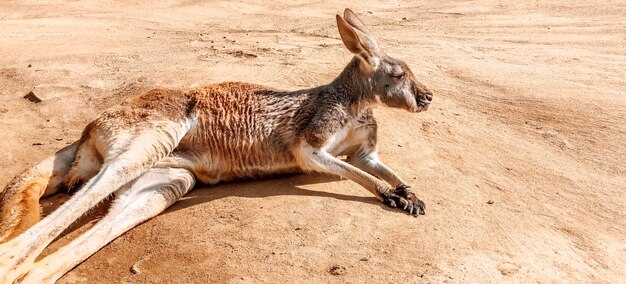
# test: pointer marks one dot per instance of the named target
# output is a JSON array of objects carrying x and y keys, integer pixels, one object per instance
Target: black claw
[
  {"x": 421, "y": 207},
  {"x": 402, "y": 189},
  {"x": 402, "y": 197},
  {"x": 405, "y": 203},
  {"x": 407, "y": 199},
  {"x": 390, "y": 198}
]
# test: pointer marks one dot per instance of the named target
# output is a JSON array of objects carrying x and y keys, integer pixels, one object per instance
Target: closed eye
[{"x": 398, "y": 76}]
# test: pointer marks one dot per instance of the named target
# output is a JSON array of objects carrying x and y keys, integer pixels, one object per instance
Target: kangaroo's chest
[{"x": 355, "y": 135}]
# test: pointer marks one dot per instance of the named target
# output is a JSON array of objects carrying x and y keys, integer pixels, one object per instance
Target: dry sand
[{"x": 520, "y": 159}]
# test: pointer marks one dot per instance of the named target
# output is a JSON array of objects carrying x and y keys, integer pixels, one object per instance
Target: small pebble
[
  {"x": 135, "y": 268},
  {"x": 32, "y": 97},
  {"x": 337, "y": 270},
  {"x": 507, "y": 268}
]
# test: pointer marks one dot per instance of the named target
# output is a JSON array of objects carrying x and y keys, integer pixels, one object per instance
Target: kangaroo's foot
[
  {"x": 13, "y": 262},
  {"x": 404, "y": 199}
]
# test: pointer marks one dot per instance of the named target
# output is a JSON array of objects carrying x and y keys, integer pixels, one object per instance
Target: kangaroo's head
[{"x": 391, "y": 80}]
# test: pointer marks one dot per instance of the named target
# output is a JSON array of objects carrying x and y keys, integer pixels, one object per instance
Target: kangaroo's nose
[
  {"x": 424, "y": 94},
  {"x": 428, "y": 94}
]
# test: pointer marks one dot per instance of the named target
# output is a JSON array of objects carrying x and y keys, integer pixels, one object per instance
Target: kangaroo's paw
[{"x": 404, "y": 199}]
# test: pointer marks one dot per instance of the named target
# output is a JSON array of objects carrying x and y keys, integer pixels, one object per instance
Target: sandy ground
[{"x": 521, "y": 158}]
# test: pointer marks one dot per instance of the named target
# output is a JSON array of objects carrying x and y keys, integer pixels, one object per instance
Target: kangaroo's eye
[{"x": 398, "y": 76}]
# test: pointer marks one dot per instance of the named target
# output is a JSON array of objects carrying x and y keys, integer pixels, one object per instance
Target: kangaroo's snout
[
  {"x": 428, "y": 94},
  {"x": 423, "y": 96}
]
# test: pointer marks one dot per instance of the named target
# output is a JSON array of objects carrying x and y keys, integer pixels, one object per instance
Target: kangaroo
[{"x": 151, "y": 150}]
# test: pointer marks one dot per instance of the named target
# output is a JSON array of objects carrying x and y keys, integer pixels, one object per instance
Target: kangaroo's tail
[{"x": 19, "y": 201}]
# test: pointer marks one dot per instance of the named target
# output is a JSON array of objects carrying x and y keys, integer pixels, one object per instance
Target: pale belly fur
[{"x": 211, "y": 168}]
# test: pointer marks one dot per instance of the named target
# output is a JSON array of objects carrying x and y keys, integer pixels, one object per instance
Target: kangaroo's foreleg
[
  {"x": 19, "y": 201},
  {"x": 148, "y": 196},
  {"x": 365, "y": 157},
  {"x": 369, "y": 162},
  {"x": 316, "y": 159}
]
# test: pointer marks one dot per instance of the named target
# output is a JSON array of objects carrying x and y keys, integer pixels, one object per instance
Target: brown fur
[{"x": 221, "y": 132}]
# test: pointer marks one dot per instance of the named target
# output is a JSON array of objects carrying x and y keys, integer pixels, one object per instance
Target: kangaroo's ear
[
  {"x": 358, "y": 42},
  {"x": 354, "y": 21},
  {"x": 349, "y": 37}
]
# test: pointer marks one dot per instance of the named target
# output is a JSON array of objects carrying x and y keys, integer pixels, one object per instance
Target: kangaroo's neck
[{"x": 354, "y": 87}]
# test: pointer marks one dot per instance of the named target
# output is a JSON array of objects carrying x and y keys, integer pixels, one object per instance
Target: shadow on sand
[{"x": 277, "y": 186}]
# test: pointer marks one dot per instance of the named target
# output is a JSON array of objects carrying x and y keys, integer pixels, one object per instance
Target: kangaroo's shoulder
[{"x": 323, "y": 114}]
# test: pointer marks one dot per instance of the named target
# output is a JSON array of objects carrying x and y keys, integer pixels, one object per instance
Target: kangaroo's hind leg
[
  {"x": 145, "y": 198},
  {"x": 128, "y": 153}
]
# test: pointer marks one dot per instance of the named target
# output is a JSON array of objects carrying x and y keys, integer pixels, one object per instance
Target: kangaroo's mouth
[{"x": 422, "y": 105}]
